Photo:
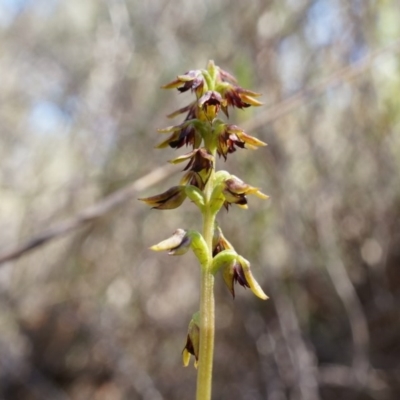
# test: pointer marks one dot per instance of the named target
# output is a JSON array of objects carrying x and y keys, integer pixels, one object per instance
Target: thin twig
[{"x": 90, "y": 213}]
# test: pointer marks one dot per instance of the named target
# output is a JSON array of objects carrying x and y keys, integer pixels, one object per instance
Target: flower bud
[
  {"x": 192, "y": 346},
  {"x": 220, "y": 243},
  {"x": 178, "y": 244}
]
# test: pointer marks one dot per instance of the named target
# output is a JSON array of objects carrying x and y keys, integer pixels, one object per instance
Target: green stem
[{"x": 207, "y": 304}]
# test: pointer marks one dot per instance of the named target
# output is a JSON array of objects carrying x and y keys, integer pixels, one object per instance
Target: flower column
[{"x": 215, "y": 91}]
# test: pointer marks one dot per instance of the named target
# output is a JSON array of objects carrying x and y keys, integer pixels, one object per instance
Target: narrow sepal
[
  {"x": 168, "y": 200},
  {"x": 252, "y": 283},
  {"x": 190, "y": 108}
]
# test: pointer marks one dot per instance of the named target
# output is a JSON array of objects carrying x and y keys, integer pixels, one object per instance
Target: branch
[{"x": 89, "y": 214}]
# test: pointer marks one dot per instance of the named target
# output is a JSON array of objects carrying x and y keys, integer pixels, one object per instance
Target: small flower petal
[
  {"x": 190, "y": 108},
  {"x": 185, "y": 357},
  {"x": 250, "y": 100},
  {"x": 244, "y": 137},
  {"x": 226, "y": 76}
]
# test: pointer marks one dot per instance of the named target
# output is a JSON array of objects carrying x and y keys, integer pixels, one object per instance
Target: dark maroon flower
[
  {"x": 238, "y": 271},
  {"x": 199, "y": 166},
  {"x": 235, "y": 192},
  {"x": 183, "y": 134},
  {"x": 191, "y": 80},
  {"x": 241, "y": 98},
  {"x": 210, "y": 103},
  {"x": 231, "y": 137}
]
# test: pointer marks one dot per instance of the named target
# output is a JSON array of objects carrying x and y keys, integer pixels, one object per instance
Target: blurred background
[{"x": 90, "y": 312}]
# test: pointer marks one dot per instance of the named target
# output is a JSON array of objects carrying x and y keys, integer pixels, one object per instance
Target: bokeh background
[{"x": 90, "y": 312}]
